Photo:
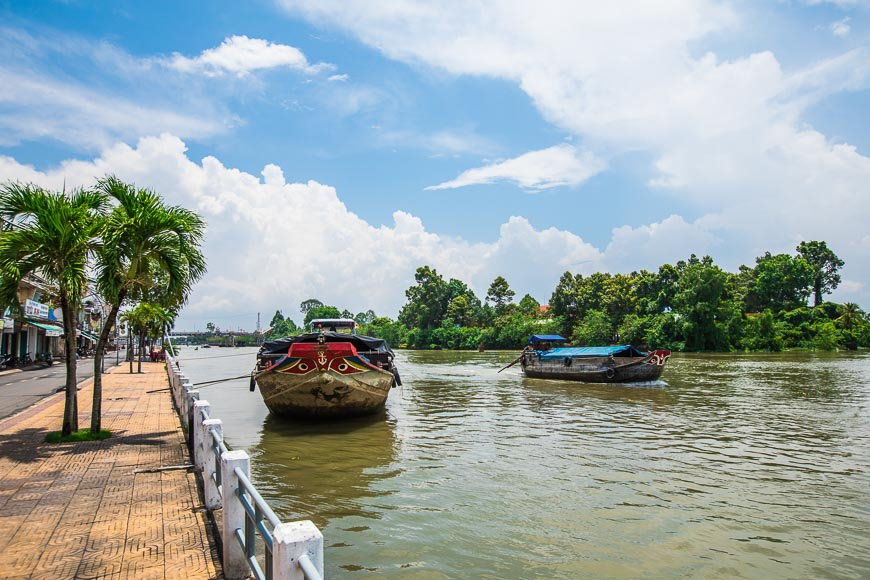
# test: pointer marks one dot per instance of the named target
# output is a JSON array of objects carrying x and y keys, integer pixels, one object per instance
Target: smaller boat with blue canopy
[{"x": 543, "y": 358}]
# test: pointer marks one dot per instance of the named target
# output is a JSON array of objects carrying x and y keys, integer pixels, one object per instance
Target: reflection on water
[{"x": 732, "y": 465}]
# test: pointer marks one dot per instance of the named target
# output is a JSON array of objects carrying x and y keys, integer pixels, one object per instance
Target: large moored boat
[{"x": 328, "y": 372}]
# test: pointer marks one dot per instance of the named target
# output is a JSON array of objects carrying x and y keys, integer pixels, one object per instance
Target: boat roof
[
  {"x": 546, "y": 337},
  {"x": 592, "y": 351},
  {"x": 359, "y": 341},
  {"x": 332, "y": 323}
]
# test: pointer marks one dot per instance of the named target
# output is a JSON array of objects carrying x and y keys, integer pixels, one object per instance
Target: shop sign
[
  {"x": 32, "y": 308},
  {"x": 8, "y": 325}
]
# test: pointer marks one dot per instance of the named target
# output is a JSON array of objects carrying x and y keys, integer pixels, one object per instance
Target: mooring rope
[{"x": 207, "y": 383}]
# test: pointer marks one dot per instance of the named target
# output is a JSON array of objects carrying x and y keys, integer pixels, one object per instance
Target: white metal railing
[{"x": 293, "y": 550}]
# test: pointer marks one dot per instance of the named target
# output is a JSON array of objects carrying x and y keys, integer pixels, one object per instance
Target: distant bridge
[{"x": 228, "y": 338}]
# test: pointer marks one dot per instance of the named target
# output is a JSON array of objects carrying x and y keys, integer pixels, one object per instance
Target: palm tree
[
  {"x": 54, "y": 234},
  {"x": 148, "y": 321},
  {"x": 144, "y": 239},
  {"x": 850, "y": 315}
]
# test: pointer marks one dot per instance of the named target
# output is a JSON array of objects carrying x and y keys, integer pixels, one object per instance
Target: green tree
[
  {"x": 761, "y": 333},
  {"x": 703, "y": 305},
  {"x": 427, "y": 300},
  {"x": 146, "y": 320},
  {"x": 619, "y": 296},
  {"x": 320, "y": 312},
  {"x": 529, "y": 306},
  {"x": 782, "y": 281},
  {"x": 364, "y": 318},
  {"x": 500, "y": 295},
  {"x": 144, "y": 241},
  {"x": 53, "y": 234},
  {"x": 460, "y": 310},
  {"x": 277, "y": 319},
  {"x": 825, "y": 265},
  {"x": 851, "y": 320},
  {"x": 563, "y": 301},
  {"x": 596, "y": 329},
  {"x": 307, "y": 305}
]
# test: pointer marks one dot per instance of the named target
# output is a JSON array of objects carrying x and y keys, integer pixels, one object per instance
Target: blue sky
[{"x": 334, "y": 147}]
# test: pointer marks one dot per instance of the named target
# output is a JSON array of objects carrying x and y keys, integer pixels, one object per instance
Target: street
[{"x": 19, "y": 389}]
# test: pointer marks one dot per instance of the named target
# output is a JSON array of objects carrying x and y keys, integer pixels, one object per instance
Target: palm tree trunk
[
  {"x": 141, "y": 350},
  {"x": 97, "y": 407},
  {"x": 70, "y": 408}
]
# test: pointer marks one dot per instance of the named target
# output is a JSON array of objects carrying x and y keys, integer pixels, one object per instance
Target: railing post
[
  {"x": 186, "y": 385},
  {"x": 196, "y": 434},
  {"x": 210, "y": 428},
  {"x": 235, "y": 563},
  {"x": 291, "y": 541},
  {"x": 190, "y": 397}
]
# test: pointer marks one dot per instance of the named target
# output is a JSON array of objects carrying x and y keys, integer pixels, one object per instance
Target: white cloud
[
  {"x": 105, "y": 96},
  {"x": 557, "y": 166},
  {"x": 727, "y": 136},
  {"x": 240, "y": 55},
  {"x": 33, "y": 107},
  {"x": 841, "y": 28},
  {"x": 665, "y": 242},
  {"x": 272, "y": 244}
]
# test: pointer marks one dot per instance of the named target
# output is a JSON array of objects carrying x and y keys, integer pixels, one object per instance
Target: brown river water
[{"x": 752, "y": 466}]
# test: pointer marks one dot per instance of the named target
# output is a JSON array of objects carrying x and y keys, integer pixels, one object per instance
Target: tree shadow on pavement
[{"x": 25, "y": 446}]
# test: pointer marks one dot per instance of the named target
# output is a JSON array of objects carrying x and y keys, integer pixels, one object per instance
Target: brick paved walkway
[{"x": 78, "y": 510}]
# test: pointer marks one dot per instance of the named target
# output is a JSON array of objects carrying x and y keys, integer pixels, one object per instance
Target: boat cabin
[
  {"x": 345, "y": 325},
  {"x": 545, "y": 341}
]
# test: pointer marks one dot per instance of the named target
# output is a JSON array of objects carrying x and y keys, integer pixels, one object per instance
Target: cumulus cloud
[
  {"x": 271, "y": 243},
  {"x": 557, "y": 166},
  {"x": 240, "y": 55},
  {"x": 726, "y": 136},
  {"x": 256, "y": 223}
]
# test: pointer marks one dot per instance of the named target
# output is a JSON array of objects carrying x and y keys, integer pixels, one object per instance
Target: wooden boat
[
  {"x": 328, "y": 372},
  {"x": 591, "y": 364}
]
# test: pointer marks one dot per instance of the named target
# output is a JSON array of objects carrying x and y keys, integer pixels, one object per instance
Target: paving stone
[{"x": 79, "y": 510}]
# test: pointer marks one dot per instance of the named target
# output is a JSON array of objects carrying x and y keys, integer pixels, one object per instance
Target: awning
[
  {"x": 50, "y": 329},
  {"x": 90, "y": 336}
]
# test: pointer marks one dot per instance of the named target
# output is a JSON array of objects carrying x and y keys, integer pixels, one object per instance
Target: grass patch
[{"x": 80, "y": 435}]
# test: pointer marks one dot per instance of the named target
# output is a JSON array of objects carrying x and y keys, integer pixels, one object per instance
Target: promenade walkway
[{"x": 103, "y": 509}]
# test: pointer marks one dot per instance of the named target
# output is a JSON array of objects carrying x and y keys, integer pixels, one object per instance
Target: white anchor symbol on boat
[{"x": 321, "y": 358}]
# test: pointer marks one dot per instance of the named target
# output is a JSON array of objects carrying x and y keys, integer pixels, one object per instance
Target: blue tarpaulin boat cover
[
  {"x": 591, "y": 351},
  {"x": 546, "y": 337}
]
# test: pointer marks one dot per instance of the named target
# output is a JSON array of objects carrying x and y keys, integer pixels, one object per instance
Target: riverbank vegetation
[{"x": 693, "y": 305}]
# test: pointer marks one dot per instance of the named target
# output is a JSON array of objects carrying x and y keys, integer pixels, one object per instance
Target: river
[{"x": 754, "y": 466}]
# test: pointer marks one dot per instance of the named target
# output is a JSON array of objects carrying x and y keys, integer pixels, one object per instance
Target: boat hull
[
  {"x": 324, "y": 381},
  {"x": 596, "y": 369}
]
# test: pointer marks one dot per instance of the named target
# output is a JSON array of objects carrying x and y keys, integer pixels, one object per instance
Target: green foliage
[
  {"x": 529, "y": 306},
  {"x": 825, "y": 265},
  {"x": 596, "y": 329},
  {"x": 826, "y": 336},
  {"x": 761, "y": 333},
  {"x": 782, "y": 281},
  {"x": 321, "y": 312},
  {"x": 500, "y": 294},
  {"x": 427, "y": 300},
  {"x": 634, "y": 329},
  {"x": 692, "y": 305},
  {"x": 702, "y": 301}
]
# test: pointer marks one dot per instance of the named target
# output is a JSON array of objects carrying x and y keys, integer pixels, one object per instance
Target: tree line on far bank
[{"x": 693, "y": 305}]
